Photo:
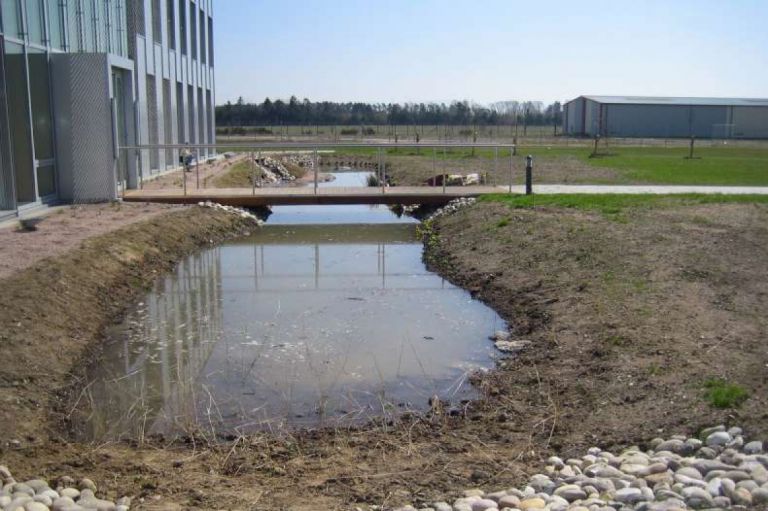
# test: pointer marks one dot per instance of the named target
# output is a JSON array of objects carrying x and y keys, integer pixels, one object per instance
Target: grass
[
  {"x": 612, "y": 204},
  {"x": 720, "y": 165},
  {"x": 721, "y": 394},
  {"x": 239, "y": 175}
]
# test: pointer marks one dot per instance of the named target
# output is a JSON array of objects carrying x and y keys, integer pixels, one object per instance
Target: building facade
[
  {"x": 657, "y": 117},
  {"x": 81, "y": 78}
]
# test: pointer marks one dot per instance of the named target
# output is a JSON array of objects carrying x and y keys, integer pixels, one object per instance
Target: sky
[{"x": 488, "y": 50}]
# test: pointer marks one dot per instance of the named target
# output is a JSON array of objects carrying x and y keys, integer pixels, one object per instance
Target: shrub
[{"x": 721, "y": 394}]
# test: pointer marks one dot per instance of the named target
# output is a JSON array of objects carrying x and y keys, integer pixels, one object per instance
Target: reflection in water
[{"x": 296, "y": 325}]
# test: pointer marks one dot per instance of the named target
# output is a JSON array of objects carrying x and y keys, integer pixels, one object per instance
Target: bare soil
[
  {"x": 65, "y": 229},
  {"x": 628, "y": 317}
]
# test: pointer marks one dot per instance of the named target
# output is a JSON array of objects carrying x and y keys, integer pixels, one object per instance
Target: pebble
[
  {"x": 718, "y": 438},
  {"x": 37, "y": 495},
  {"x": 723, "y": 472}
]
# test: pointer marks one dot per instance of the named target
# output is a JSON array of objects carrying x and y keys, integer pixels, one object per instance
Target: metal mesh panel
[
  {"x": 7, "y": 201},
  {"x": 86, "y": 153}
]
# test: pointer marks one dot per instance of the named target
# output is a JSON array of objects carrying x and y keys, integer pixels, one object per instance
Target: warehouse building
[
  {"x": 637, "y": 116},
  {"x": 79, "y": 78}
]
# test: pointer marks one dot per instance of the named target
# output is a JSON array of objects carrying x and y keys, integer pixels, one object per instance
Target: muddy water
[{"x": 325, "y": 315}]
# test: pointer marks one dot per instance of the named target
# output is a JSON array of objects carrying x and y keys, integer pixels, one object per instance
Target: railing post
[
  {"x": 434, "y": 162},
  {"x": 445, "y": 171},
  {"x": 314, "y": 165},
  {"x": 511, "y": 167},
  {"x": 495, "y": 162},
  {"x": 383, "y": 181},
  {"x": 184, "y": 177},
  {"x": 253, "y": 173},
  {"x": 197, "y": 167}
]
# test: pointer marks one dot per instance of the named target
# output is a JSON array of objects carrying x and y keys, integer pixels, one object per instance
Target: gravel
[
  {"x": 718, "y": 470},
  {"x": 68, "y": 495}
]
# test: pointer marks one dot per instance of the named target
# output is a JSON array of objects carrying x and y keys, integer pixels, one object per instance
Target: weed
[
  {"x": 503, "y": 222},
  {"x": 721, "y": 394}
]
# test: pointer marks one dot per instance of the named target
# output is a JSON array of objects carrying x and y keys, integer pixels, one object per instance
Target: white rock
[
  {"x": 755, "y": 447},
  {"x": 629, "y": 495},
  {"x": 718, "y": 438}
]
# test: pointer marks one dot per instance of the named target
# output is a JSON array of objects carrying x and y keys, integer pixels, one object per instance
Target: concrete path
[{"x": 642, "y": 189}]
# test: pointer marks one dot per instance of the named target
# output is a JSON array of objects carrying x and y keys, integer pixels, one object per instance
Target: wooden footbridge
[
  {"x": 245, "y": 197},
  {"x": 313, "y": 194}
]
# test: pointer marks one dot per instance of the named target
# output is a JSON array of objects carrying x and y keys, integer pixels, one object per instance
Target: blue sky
[{"x": 488, "y": 50}]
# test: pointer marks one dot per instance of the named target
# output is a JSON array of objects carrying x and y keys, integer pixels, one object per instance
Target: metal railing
[{"x": 255, "y": 150}]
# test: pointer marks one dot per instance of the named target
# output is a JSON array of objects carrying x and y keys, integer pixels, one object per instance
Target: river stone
[
  {"x": 500, "y": 335},
  {"x": 690, "y": 472},
  {"x": 706, "y": 453},
  {"x": 676, "y": 446},
  {"x": 715, "y": 487},
  {"x": 43, "y": 499},
  {"x": 87, "y": 484},
  {"x": 705, "y": 466},
  {"x": 532, "y": 503},
  {"x": 483, "y": 504},
  {"x": 127, "y": 508},
  {"x": 509, "y": 501},
  {"x": 72, "y": 493},
  {"x": 603, "y": 470},
  {"x": 437, "y": 506},
  {"x": 35, "y": 506},
  {"x": 474, "y": 492},
  {"x": 690, "y": 481},
  {"x": 741, "y": 496},
  {"x": 571, "y": 492},
  {"x": 495, "y": 496},
  {"x": 755, "y": 447},
  {"x": 556, "y": 462},
  {"x": 23, "y": 488},
  {"x": 760, "y": 496},
  {"x": 629, "y": 495},
  {"x": 708, "y": 431},
  {"x": 718, "y": 438},
  {"x": 697, "y": 498},
  {"x": 736, "y": 475}
]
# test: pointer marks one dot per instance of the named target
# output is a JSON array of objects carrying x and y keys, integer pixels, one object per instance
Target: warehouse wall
[{"x": 750, "y": 121}]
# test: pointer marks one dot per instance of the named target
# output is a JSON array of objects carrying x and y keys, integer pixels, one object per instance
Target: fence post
[
  {"x": 253, "y": 173},
  {"x": 495, "y": 163},
  {"x": 511, "y": 166},
  {"x": 529, "y": 175},
  {"x": 434, "y": 163}
]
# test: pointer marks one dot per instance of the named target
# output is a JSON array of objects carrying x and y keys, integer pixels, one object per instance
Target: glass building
[{"x": 80, "y": 78}]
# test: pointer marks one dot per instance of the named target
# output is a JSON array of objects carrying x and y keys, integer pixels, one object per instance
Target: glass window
[
  {"x": 193, "y": 30},
  {"x": 11, "y": 18},
  {"x": 181, "y": 138},
  {"x": 171, "y": 24},
  {"x": 55, "y": 15},
  {"x": 210, "y": 41},
  {"x": 89, "y": 30},
  {"x": 203, "y": 46},
  {"x": 74, "y": 17},
  {"x": 18, "y": 117},
  {"x": 46, "y": 180},
  {"x": 39, "y": 86},
  {"x": 102, "y": 27},
  {"x": 190, "y": 115},
  {"x": 183, "y": 26},
  {"x": 120, "y": 28},
  {"x": 35, "y": 21}
]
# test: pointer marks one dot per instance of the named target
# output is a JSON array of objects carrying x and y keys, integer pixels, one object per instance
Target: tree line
[{"x": 306, "y": 112}]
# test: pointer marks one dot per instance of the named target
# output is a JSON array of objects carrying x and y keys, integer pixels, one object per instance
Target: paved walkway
[{"x": 643, "y": 189}]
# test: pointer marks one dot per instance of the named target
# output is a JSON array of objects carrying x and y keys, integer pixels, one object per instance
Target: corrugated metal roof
[{"x": 653, "y": 100}]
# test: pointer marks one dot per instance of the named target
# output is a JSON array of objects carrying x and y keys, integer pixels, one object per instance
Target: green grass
[
  {"x": 711, "y": 166},
  {"x": 721, "y": 394},
  {"x": 722, "y": 165},
  {"x": 238, "y": 176},
  {"x": 612, "y": 204}
]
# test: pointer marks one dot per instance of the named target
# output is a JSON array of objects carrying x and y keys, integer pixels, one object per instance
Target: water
[{"x": 308, "y": 322}]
